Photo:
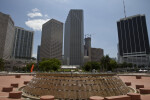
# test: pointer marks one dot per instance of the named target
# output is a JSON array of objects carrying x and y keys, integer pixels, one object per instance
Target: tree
[
  {"x": 112, "y": 65},
  {"x": 135, "y": 65},
  {"x": 130, "y": 65},
  {"x": 124, "y": 65},
  {"x": 105, "y": 60},
  {"x": 1, "y": 64},
  {"x": 49, "y": 65},
  {"x": 89, "y": 66}
]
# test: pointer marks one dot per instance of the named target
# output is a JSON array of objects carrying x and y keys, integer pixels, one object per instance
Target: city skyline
[{"x": 100, "y": 17}]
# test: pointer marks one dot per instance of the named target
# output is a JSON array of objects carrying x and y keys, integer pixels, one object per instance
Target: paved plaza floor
[{"x": 7, "y": 80}]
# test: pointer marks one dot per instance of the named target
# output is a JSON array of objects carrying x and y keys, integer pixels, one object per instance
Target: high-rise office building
[
  {"x": 7, "y": 33},
  {"x": 52, "y": 39},
  {"x": 74, "y": 38},
  {"x": 23, "y": 43},
  {"x": 133, "y": 38}
]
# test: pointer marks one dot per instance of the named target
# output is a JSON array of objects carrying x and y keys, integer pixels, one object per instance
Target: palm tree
[
  {"x": 102, "y": 61},
  {"x": 105, "y": 60}
]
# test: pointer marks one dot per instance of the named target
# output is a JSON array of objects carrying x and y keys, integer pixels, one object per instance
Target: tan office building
[
  {"x": 52, "y": 40},
  {"x": 7, "y": 33},
  {"x": 96, "y": 54}
]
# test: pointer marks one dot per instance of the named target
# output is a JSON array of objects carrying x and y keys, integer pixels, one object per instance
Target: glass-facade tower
[{"x": 133, "y": 40}]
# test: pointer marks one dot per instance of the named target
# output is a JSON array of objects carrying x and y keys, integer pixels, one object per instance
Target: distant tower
[
  {"x": 74, "y": 38},
  {"x": 87, "y": 50},
  {"x": 7, "y": 34},
  {"x": 133, "y": 40},
  {"x": 23, "y": 43},
  {"x": 51, "y": 40}
]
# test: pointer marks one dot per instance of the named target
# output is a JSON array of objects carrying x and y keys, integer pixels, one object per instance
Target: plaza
[{"x": 8, "y": 79}]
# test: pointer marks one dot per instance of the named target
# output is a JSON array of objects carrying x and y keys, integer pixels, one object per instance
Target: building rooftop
[{"x": 130, "y": 17}]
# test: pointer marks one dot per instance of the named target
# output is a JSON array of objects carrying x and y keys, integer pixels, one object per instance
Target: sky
[{"x": 100, "y": 17}]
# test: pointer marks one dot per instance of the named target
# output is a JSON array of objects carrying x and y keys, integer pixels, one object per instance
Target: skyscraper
[
  {"x": 23, "y": 43},
  {"x": 74, "y": 38},
  {"x": 133, "y": 38},
  {"x": 7, "y": 33},
  {"x": 52, "y": 39}
]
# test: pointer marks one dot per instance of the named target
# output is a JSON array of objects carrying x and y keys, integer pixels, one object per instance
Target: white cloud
[
  {"x": 35, "y": 14},
  {"x": 36, "y": 24},
  {"x": 35, "y": 10},
  {"x": 46, "y": 15}
]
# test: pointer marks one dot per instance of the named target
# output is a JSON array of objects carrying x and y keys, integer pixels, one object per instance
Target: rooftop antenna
[{"x": 124, "y": 9}]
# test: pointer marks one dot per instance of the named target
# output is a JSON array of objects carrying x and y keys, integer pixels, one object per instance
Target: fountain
[{"x": 75, "y": 86}]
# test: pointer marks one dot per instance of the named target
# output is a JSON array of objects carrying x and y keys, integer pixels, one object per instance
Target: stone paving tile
[
  {"x": 3, "y": 94},
  {"x": 7, "y": 80},
  {"x": 145, "y": 97},
  {"x": 144, "y": 81},
  {"x": 9, "y": 99}
]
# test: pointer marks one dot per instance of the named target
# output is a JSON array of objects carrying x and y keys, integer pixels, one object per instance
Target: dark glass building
[{"x": 133, "y": 38}]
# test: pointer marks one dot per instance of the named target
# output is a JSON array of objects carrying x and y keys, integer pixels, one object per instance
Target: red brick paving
[
  {"x": 143, "y": 81},
  {"x": 145, "y": 97},
  {"x": 7, "y": 80},
  {"x": 9, "y": 99},
  {"x": 4, "y": 94}
]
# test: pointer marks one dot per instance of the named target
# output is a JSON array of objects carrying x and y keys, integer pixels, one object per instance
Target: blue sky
[{"x": 100, "y": 17}]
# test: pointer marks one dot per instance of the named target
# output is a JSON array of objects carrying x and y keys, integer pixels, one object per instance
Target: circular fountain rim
[
  {"x": 67, "y": 75},
  {"x": 26, "y": 95},
  {"x": 37, "y": 98}
]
